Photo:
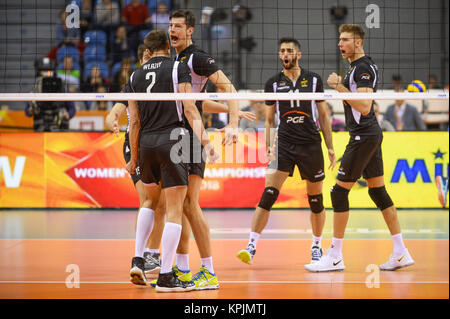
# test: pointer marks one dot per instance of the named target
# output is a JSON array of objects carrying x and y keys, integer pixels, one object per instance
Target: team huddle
[{"x": 167, "y": 168}]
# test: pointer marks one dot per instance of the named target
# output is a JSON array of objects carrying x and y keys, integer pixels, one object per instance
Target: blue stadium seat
[
  {"x": 95, "y": 37},
  {"x": 104, "y": 69},
  {"x": 94, "y": 53},
  {"x": 67, "y": 51},
  {"x": 153, "y": 4}
]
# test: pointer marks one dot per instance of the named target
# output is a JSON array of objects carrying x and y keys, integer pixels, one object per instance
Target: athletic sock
[
  {"x": 170, "y": 239},
  {"x": 253, "y": 239},
  {"x": 183, "y": 262},
  {"x": 317, "y": 241},
  {"x": 153, "y": 251},
  {"x": 208, "y": 264},
  {"x": 143, "y": 230},
  {"x": 147, "y": 250},
  {"x": 336, "y": 247},
  {"x": 399, "y": 245}
]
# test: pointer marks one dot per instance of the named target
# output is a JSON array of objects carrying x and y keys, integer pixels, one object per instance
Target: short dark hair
[
  {"x": 188, "y": 16},
  {"x": 353, "y": 28},
  {"x": 289, "y": 40},
  {"x": 156, "y": 40}
]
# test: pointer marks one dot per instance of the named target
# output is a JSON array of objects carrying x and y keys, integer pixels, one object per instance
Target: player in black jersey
[
  {"x": 153, "y": 126},
  {"x": 202, "y": 67},
  {"x": 151, "y": 252},
  {"x": 362, "y": 155},
  {"x": 298, "y": 144}
]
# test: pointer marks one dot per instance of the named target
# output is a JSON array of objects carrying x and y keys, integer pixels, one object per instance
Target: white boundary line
[{"x": 219, "y": 96}]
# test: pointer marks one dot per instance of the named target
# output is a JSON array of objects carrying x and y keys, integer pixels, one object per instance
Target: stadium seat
[
  {"x": 143, "y": 33},
  {"x": 95, "y": 37},
  {"x": 94, "y": 53},
  {"x": 153, "y": 5},
  {"x": 116, "y": 67},
  {"x": 104, "y": 69},
  {"x": 68, "y": 51}
]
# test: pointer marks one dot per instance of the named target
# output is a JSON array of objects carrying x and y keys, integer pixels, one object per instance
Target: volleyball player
[
  {"x": 202, "y": 67},
  {"x": 153, "y": 125},
  {"x": 362, "y": 155},
  {"x": 298, "y": 144},
  {"x": 151, "y": 252}
]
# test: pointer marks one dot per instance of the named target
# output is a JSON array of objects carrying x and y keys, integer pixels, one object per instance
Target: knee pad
[
  {"x": 268, "y": 198},
  {"x": 316, "y": 203},
  {"x": 380, "y": 197},
  {"x": 339, "y": 199}
]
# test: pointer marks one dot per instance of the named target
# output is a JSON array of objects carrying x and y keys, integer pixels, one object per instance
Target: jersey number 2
[{"x": 151, "y": 75}]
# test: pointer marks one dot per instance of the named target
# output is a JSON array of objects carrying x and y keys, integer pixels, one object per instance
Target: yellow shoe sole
[{"x": 245, "y": 256}]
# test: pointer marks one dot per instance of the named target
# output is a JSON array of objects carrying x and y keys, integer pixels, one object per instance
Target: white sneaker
[
  {"x": 326, "y": 263},
  {"x": 316, "y": 254},
  {"x": 397, "y": 262}
]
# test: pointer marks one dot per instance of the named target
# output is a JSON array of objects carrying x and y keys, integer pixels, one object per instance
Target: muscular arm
[
  {"x": 269, "y": 124},
  {"x": 220, "y": 80},
  {"x": 362, "y": 106},
  {"x": 135, "y": 126},
  {"x": 325, "y": 124},
  {"x": 112, "y": 119}
]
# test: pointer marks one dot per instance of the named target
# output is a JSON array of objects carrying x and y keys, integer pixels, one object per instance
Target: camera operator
[{"x": 49, "y": 116}]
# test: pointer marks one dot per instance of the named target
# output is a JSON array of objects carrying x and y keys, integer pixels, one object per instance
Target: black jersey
[
  {"x": 297, "y": 119},
  {"x": 363, "y": 73},
  {"x": 159, "y": 75},
  {"x": 201, "y": 66}
]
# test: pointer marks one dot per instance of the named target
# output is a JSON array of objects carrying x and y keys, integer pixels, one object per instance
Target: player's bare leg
[
  {"x": 274, "y": 181},
  {"x": 317, "y": 217},
  {"x": 152, "y": 253},
  {"x": 400, "y": 257}
]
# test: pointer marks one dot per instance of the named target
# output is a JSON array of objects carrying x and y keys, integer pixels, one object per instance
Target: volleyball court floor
[{"x": 87, "y": 254}]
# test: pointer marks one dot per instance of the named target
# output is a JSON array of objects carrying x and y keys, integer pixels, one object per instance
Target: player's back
[{"x": 159, "y": 75}]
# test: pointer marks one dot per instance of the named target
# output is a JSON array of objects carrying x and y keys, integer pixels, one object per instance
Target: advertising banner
[{"x": 87, "y": 170}]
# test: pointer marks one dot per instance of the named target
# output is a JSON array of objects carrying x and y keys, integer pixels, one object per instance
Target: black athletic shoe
[
  {"x": 152, "y": 262},
  {"x": 137, "y": 274},
  {"x": 169, "y": 282}
]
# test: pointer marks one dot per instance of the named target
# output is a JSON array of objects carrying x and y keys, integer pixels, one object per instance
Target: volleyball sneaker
[
  {"x": 204, "y": 280},
  {"x": 316, "y": 254},
  {"x": 152, "y": 262},
  {"x": 442, "y": 190},
  {"x": 137, "y": 273},
  {"x": 398, "y": 261},
  {"x": 183, "y": 275},
  {"x": 169, "y": 282},
  {"x": 326, "y": 263},
  {"x": 246, "y": 255}
]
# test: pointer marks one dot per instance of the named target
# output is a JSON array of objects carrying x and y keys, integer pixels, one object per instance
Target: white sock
[
  {"x": 317, "y": 241},
  {"x": 170, "y": 239},
  {"x": 153, "y": 251},
  {"x": 147, "y": 250},
  {"x": 183, "y": 262},
  {"x": 208, "y": 264},
  {"x": 143, "y": 230},
  {"x": 336, "y": 247},
  {"x": 253, "y": 239},
  {"x": 399, "y": 245}
]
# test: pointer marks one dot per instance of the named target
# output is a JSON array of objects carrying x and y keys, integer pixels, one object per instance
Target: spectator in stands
[
  {"x": 161, "y": 17},
  {"x": 136, "y": 17},
  {"x": 404, "y": 117},
  {"x": 397, "y": 82},
  {"x": 433, "y": 82},
  {"x": 95, "y": 80},
  {"x": 69, "y": 75},
  {"x": 153, "y": 4},
  {"x": 259, "y": 108},
  {"x": 385, "y": 125},
  {"x": 86, "y": 16},
  {"x": 120, "y": 47},
  {"x": 107, "y": 15},
  {"x": 122, "y": 76},
  {"x": 337, "y": 125},
  {"x": 101, "y": 105}
]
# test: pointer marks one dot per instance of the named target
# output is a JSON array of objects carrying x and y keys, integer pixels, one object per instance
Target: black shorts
[
  {"x": 160, "y": 160},
  {"x": 362, "y": 156},
  {"x": 307, "y": 157},
  {"x": 127, "y": 156}
]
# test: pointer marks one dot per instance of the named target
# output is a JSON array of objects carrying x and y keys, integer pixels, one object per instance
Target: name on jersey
[
  {"x": 282, "y": 88},
  {"x": 152, "y": 66}
]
